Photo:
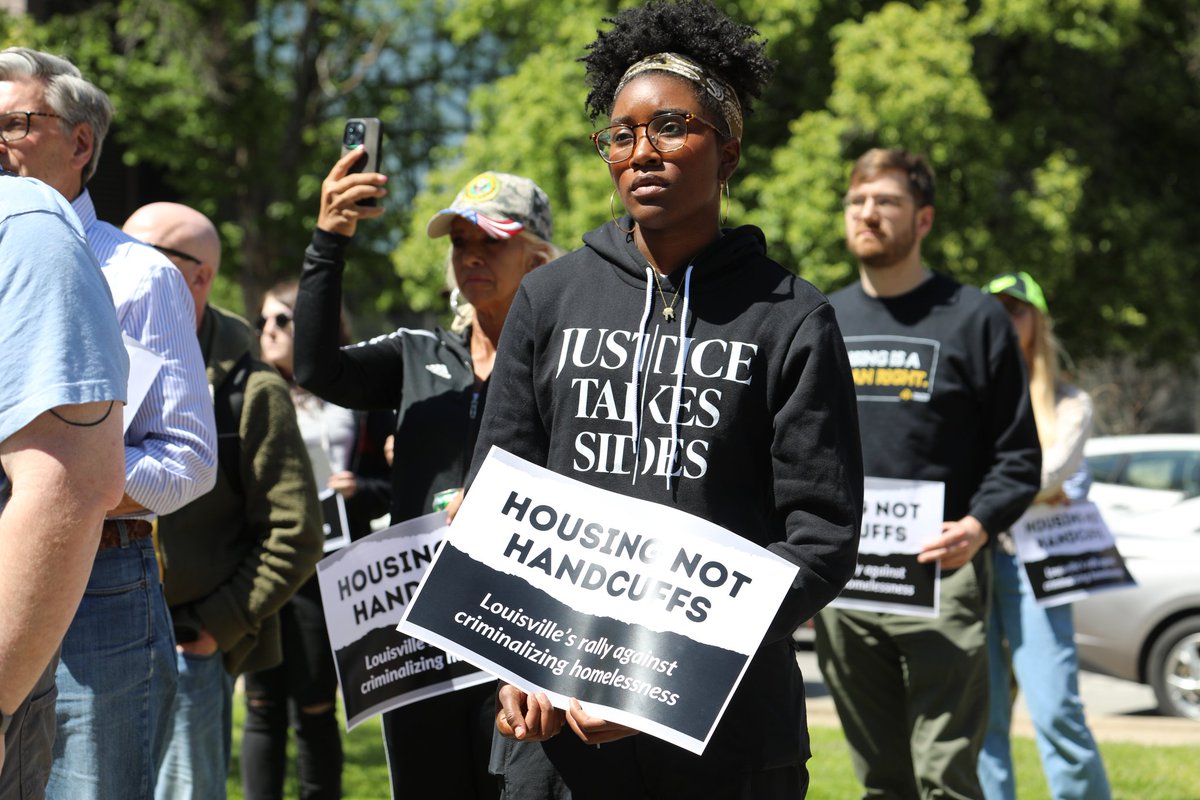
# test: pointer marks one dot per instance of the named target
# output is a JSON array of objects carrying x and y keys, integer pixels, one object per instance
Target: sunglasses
[
  {"x": 171, "y": 251},
  {"x": 281, "y": 320}
]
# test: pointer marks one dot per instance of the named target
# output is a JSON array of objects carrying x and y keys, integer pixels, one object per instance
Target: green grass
[
  {"x": 364, "y": 777},
  {"x": 1137, "y": 772}
]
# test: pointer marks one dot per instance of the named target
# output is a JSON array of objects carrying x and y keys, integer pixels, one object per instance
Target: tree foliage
[
  {"x": 241, "y": 104},
  {"x": 1063, "y": 134}
]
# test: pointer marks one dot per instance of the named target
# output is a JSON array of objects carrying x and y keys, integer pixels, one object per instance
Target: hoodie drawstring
[
  {"x": 680, "y": 366},
  {"x": 635, "y": 422},
  {"x": 684, "y": 344}
]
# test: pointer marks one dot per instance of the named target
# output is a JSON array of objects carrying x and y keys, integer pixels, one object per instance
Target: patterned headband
[{"x": 683, "y": 66}]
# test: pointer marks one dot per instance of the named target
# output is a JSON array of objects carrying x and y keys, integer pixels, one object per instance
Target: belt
[{"x": 110, "y": 534}]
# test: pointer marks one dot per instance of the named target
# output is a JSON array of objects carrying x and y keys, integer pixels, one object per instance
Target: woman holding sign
[
  {"x": 1039, "y": 643},
  {"x": 500, "y": 228},
  {"x": 669, "y": 359}
]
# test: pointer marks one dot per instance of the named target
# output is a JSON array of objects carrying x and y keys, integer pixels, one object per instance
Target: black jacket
[
  {"x": 765, "y": 427},
  {"x": 424, "y": 376}
]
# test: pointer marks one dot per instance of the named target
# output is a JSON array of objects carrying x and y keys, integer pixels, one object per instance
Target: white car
[
  {"x": 1148, "y": 488},
  {"x": 1135, "y": 475}
]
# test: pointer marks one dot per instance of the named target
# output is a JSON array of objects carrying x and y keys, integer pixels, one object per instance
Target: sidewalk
[{"x": 1117, "y": 710}]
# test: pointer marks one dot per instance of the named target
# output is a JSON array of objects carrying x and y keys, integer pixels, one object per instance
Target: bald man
[
  {"x": 234, "y": 556},
  {"x": 188, "y": 239}
]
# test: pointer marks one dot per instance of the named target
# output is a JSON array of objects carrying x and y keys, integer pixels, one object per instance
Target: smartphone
[{"x": 363, "y": 133}]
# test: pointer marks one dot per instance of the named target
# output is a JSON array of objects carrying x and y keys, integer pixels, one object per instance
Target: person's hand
[
  {"x": 389, "y": 449},
  {"x": 344, "y": 483},
  {"x": 526, "y": 717},
  {"x": 593, "y": 730},
  {"x": 1059, "y": 498},
  {"x": 958, "y": 544},
  {"x": 452, "y": 506},
  {"x": 204, "y": 645},
  {"x": 341, "y": 191}
]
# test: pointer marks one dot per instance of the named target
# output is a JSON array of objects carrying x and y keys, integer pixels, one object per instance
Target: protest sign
[
  {"x": 898, "y": 518},
  {"x": 646, "y": 614},
  {"x": 1067, "y": 553},
  {"x": 365, "y": 588}
]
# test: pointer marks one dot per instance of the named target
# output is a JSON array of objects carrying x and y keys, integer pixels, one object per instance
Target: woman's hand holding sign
[
  {"x": 593, "y": 730},
  {"x": 526, "y": 717}
]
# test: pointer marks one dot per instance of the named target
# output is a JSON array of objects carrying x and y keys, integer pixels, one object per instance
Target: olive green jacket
[{"x": 231, "y": 559}]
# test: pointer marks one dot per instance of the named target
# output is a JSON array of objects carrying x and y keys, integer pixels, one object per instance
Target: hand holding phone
[
  {"x": 350, "y": 192},
  {"x": 363, "y": 133}
]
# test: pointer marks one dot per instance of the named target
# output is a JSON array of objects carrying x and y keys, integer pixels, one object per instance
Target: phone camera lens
[{"x": 354, "y": 134}]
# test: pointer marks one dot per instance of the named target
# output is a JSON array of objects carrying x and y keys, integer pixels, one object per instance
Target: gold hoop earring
[
  {"x": 725, "y": 205},
  {"x": 612, "y": 210}
]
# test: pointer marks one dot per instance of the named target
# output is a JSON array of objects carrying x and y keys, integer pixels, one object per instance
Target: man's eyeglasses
[
  {"x": 281, "y": 320},
  {"x": 884, "y": 204},
  {"x": 666, "y": 133},
  {"x": 14, "y": 125},
  {"x": 171, "y": 251}
]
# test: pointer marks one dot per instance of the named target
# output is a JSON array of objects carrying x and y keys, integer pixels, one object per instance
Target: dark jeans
[
  {"x": 29, "y": 743},
  {"x": 278, "y": 696}
]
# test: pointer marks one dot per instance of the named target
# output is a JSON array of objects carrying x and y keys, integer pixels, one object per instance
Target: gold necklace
[{"x": 668, "y": 311}]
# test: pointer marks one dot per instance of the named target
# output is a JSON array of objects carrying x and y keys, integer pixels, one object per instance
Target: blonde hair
[
  {"x": 538, "y": 250},
  {"x": 1043, "y": 377}
]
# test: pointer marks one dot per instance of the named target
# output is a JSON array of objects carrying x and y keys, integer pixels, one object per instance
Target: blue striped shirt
[{"x": 170, "y": 447}]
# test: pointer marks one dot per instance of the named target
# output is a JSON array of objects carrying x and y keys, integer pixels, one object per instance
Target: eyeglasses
[
  {"x": 171, "y": 251},
  {"x": 884, "y": 204},
  {"x": 14, "y": 125},
  {"x": 281, "y": 320},
  {"x": 666, "y": 133}
]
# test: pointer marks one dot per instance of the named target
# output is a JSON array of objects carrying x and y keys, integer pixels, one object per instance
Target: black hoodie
[{"x": 762, "y": 418}]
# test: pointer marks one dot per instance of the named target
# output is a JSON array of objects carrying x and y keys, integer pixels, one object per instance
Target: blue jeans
[
  {"x": 116, "y": 682},
  {"x": 197, "y": 760},
  {"x": 1041, "y": 642}
]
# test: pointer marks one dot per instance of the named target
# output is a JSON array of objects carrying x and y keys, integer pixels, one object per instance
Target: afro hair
[{"x": 693, "y": 28}]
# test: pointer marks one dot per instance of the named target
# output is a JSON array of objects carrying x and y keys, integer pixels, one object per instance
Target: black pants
[
  {"x": 276, "y": 698},
  {"x": 439, "y": 747},
  {"x": 635, "y": 768}
]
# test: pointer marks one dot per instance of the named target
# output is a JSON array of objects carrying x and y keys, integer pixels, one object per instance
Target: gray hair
[{"x": 67, "y": 93}]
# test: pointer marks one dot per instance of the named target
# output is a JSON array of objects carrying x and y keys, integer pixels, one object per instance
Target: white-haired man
[{"x": 116, "y": 678}]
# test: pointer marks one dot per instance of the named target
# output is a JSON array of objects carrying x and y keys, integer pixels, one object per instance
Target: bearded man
[{"x": 912, "y": 692}]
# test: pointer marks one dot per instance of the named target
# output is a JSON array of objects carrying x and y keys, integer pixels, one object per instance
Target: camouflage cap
[{"x": 502, "y": 204}]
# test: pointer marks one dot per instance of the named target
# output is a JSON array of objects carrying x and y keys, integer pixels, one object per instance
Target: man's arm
[
  {"x": 170, "y": 452},
  {"x": 64, "y": 477},
  {"x": 1014, "y": 453}
]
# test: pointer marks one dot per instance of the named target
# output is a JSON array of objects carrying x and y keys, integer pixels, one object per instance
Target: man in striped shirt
[{"x": 116, "y": 679}]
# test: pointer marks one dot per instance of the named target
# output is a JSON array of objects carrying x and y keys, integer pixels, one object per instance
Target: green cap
[{"x": 1020, "y": 285}]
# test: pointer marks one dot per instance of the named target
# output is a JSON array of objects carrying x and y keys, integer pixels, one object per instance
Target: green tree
[
  {"x": 241, "y": 104},
  {"x": 1062, "y": 134}
]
